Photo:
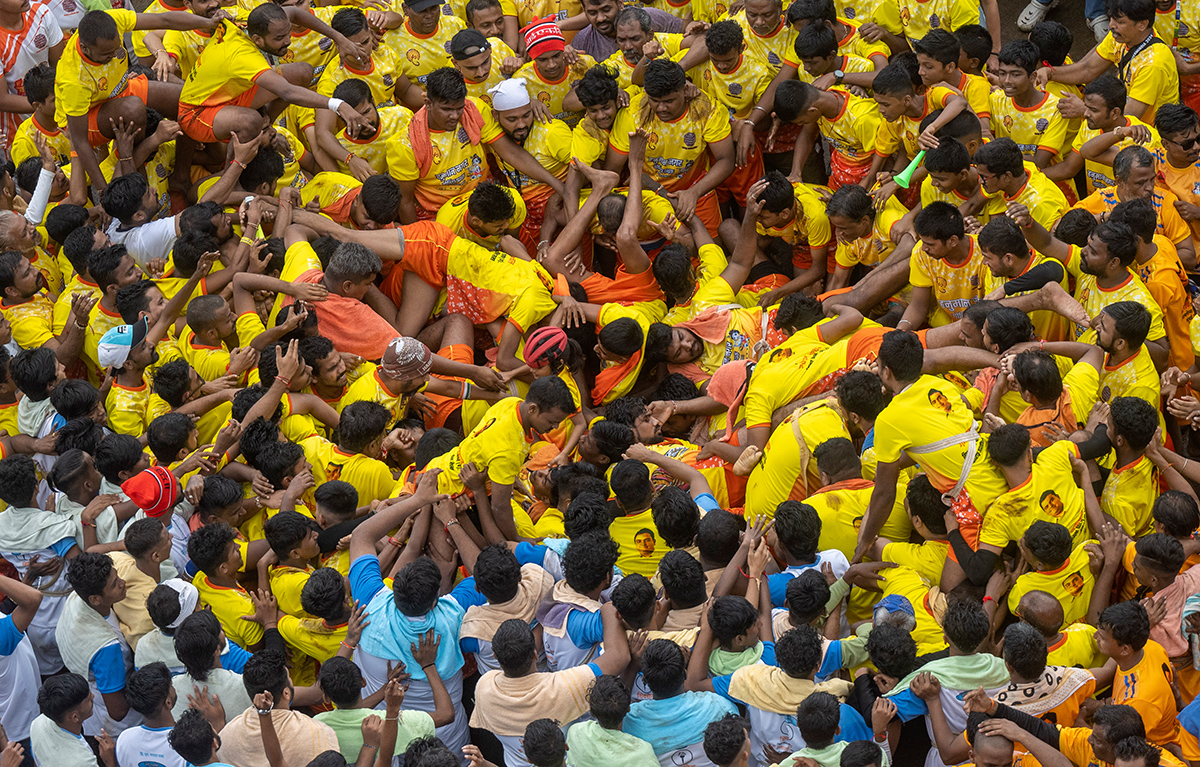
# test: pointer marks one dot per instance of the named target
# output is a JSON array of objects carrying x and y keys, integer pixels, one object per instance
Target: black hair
[
  {"x": 901, "y": 352},
  {"x": 192, "y": 737},
  {"x": 381, "y": 199},
  {"x": 1177, "y": 513},
  {"x": 597, "y": 86},
  {"x": 817, "y": 719},
  {"x": 117, "y": 453},
  {"x": 133, "y": 299},
  {"x": 258, "y": 23},
  {"x": 1135, "y": 748},
  {"x": 861, "y": 753},
  {"x": 497, "y": 573},
  {"x": 18, "y": 480},
  {"x": 434, "y": 443},
  {"x": 163, "y": 607},
  {"x": 551, "y": 393},
  {"x": 1134, "y": 10},
  {"x": 1122, "y": 243},
  {"x": 33, "y": 371},
  {"x": 78, "y": 245},
  {"x": 123, "y": 196},
  {"x": 256, "y": 436},
  {"x": 277, "y": 460},
  {"x": 446, "y": 85},
  {"x": 324, "y": 595},
  {"x": 64, "y": 218},
  {"x": 514, "y": 647},
  {"x": 1076, "y": 227},
  {"x": 587, "y": 511},
  {"x": 862, "y": 392},
  {"x": 589, "y": 561},
  {"x": 1139, "y": 215},
  {"x": 341, "y": 681},
  {"x": 798, "y": 651},
  {"x": 79, "y": 433},
  {"x": 724, "y": 37},
  {"x": 806, "y": 596},
  {"x": 621, "y": 337},
  {"x": 74, "y": 398},
  {"x": 1134, "y": 419},
  {"x": 142, "y": 536},
  {"x": 634, "y": 598},
  {"x": 197, "y": 641},
  {"x": 1175, "y": 119},
  {"x": 491, "y": 202},
  {"x": 1050, "y": 542},
  {"x": 892, "y": 650},
  {"x": 838, "y": 458},
  {"x": 676, "y": 516},
  {"x": 1110, "y": 89},
  {"x": 1000, "y": 156},
  {"x": 1021, "y": 53},
  {"x": 940, "y": 221},
  {"x": 1053, "y": 40},
  {"x": 683, "y": 579},
  {"x": 338, "y": 498},
  {"x": 1008, "y": 444},
  {"x": 939, "y": 45},
  {"x": 1127, "y": 622},
  {"x": 730, "y": 617},
  {"x": 609, "y": 701},
  {"x": 718, "y": 536},
  {"x": 663, "y": 77},
  {"x": 975, "y": 41},
  {"x": 1025, "y": 650},
  {"x": 798, "y": 528},
  {"x": 965, "y": 624},
  {"x": 168, "y": 434},
  {"x": 630, "y": 482},
  {"x": 264, "y": 168},
  {"x": 925, "y": 502},
  {"x": 415, "y": 588},
  {"x": 724, "y": 737},
  {"x": 816, "y": 40},
  {"x": 207, "y": 546},
  {"x": 88, "y": 574},
  {"x": 949, "y": 156},
  {"x": 1002, "y": 236},
  {"x": 544, "y": 744},
  {"x": 361, "y": 424},
  {"x": 266, "y": 670},
  {"x": 61, "y": 693},
  {"x": 853, "y": 202},
  {"x": 147, "y": 688},
  {"x": 663, "y": 667},
  {"x": 893, "y": 80},
  {"x": 1008, "y": 327},
  {"x": 1161, "y": 553},
  {"x": 1131, "y": 321},
  {"x": 219, "y": 494}
]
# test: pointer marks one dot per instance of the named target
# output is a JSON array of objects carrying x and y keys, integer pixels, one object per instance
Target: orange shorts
[
  {"x": 136, "y": 86},
  {"x": 708, "y": 210},
  {"x": 197, "y": 120},
  {"x": 426, "y": 253},
  {"x": 740, "y": 181},
  {"x": 445, "y": 406}
]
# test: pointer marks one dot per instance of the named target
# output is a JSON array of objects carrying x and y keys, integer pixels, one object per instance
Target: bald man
[{"x": 1074, "y": 645}]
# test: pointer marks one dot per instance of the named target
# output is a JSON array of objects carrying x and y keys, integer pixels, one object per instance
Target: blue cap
[
  {"x": 116, "y": 344},
  {"x": 894, "y": 603}
]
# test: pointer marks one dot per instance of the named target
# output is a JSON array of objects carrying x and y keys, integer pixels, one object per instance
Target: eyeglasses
[{"x": 1184, "y": 145}]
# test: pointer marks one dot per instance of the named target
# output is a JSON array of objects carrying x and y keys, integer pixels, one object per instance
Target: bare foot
[
  {"x": 1060, "y": 301},
  {"x": 747, "y": 461},
  {"x": 599, "y": 177}
]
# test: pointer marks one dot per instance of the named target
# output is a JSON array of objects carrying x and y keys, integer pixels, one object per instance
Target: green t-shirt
[{"x": 347, "y": 723}]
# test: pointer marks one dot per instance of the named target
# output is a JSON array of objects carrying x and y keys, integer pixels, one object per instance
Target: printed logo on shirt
[
  {"x": 325, "y": 44},
  {"x": 1041, "y": 125},
  {"x": 689, "y": 140},
  {"x": 735, "y": 89},
  {"x": 413, "y": 56},
  {"x": 773, "y": 59},
  {"x": 1051, "y": 504},
  {"x": 934, "y": 21},
  {"x": 1073, "y": 584},
  {"x": 645, "y": 542},
  {"x": 938, "y": 400}
]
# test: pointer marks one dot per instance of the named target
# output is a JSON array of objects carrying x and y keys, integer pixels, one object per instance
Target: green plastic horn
[{"x": 905, "y": 178}]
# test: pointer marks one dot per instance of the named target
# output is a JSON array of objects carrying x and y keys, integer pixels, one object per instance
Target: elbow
[{"x": 443, "y": 716}]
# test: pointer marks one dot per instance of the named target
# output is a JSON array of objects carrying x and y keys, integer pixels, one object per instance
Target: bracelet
[
  {"x": 87, "y": 524},
  {"x": 1185, "y": 463},
  {"x": 764, "y": 109},
  {"x": 427, "y": 665},
  {"x": 903, "y": 320},
  {"x": 392, "y": 540},
  {"x": 238, "y": 163},
  {"x": 987, "y": 598},
  {"x": 368, "y": 745},
  {"x": 285, "y": 381},
  {"x": 348, "y": 646},
  {"x": 130, "y": 159},
  {"x": 247, "y": 241},
  {"x": 392, "y": 718},
  {"x": 81, "y": 327},
  {"x": 467, "y": 389},
  {"x": 349, "y": 157},
  {"x": 447, "y": 526}
]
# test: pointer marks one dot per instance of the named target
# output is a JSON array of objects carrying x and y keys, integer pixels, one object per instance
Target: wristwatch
[{"x": 838, "y": 75}]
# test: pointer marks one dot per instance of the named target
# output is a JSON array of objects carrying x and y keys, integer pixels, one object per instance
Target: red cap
[
  {"x": 154, "y": 490},
  {"x": 545, "y": 345},
  {"x": 543, "y": 36}
]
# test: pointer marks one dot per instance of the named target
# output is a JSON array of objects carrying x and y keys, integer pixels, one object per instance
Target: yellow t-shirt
[
  {"x": 955, "y": 287},
  {"x": 1150, "y": 77},
  {"x": 1135, "y": 377},
  {"x": 1184, "y": 183},
  {"x": 928, "y": 411},
  {"x": 80, "y": 85},
  {"x": 620, "y": 66},
  {"x": 507, "y": 286},
  {"x": 927, "y": 558},
  {"x": 1147, "y": 687},
  {"x": 891, "y": 136},
  {"x": 738, "y": 91},
  {"x": 130, "y": 410},
  {"x": 1094, "y": 298},
  {"x": 23, "y": 146},
  {"x": 1071, "y": 584},
  {"x": 312, "y": 636},
  {"x": 676, "y": 153},
  {"x": 31, "y": 320},
  {"x": 311, "y": 47},
  {"x": 783, "y": 474},
  {"x": 62, "y": 307},
  {"x": 1050, "y": 494},
  {"x": 1170, "y": 223},
  {"x": 185, "y": 47},
  {"x": 1045, "y": 201},
  {"x": 589, "y": 142},
  {"x": 1040, "y": 126},
  {"x": 773, "y": 48},
  {"x": 908, "y": 583},
  {"x": 743, "y": 332},
  {"x": 209, "y": 362},
  {"x": 810, "y": 224},
  {"x": 851, "y": 135},
  {"x": 1099, "y": 175},
  {"x": 637, "y": 538},
  {"x": 100, "y": 321},
  {"x": 457, "y": 167},
  {"x": 229, "y": 605},
  {"x": 499, "y": 445},
  {"x": 552, "y": 92},
  {"x": 453, "y": 215},
  {"x": 1050, "y": 326},
  {"x": 139, "y": 36},
  {"x": 1076, "y": 647},
  {"x": 915, "y": 18},
  {"x": 392, "y": 120},
  {"x": 842, "y": 507},
  {"x": 286, "y": 584},
  {"x": 877, "y": 246},
  {"x": 1129, "y": 495},
  {"x": 370, "y": 388},
  {"x": 370, "y": 477},
  {"x": 227, "y": 67},
  {"x": 380, "y": 77}
]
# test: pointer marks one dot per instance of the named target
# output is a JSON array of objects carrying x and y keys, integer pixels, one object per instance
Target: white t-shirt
[
  {"x": 19, "y": 677},
  {"x": 146, "y": 242},
  {"x": 24, "y": 49},
  {"x": 144, "y": 746}
]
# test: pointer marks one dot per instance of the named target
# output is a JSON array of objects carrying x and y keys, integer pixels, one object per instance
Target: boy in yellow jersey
[
  {"x": 209, "y": 321},
  {"x": 1008, "y": 256},
  {"x": 1003, "y": 171},
  {"x": 1179, "y": 129},
  {"x": 635, "y": 33},
  {"x": 76, "y": 248},
  {"x": 864, "y": 235},
  {"x": 112, "y": 268},
  {"x": 30, "y": 313},
  {"x": 951, "y": 178},
  {"x": 232, "y": 79},
  {"x": 682, "y": 135},
  {"x": 849, "y": 124},
  {"x": 900, "y": 135},
  {"x": 547, "y": 76},
  {"x": 925, "y": 411},
  {"x": 786, "y": 470},
  {"x": 938, "y": 54},
  {"x": 948, "y": 270},
  {"x": 924, "y": 513},
  {"x": 355, "y": 457},
  {"x": 364, "y": 153},
  {"x": 1107, "y": 131},
  {"x": 497, "y": 20},
  {"x": 914, "y": 19},
  {"x": 1055, "y": 566},
  {"x": 421, "y": 43},
  {"x": 39, "y": 88},
  {"x": 849, "y": 39},
  {"x": 359, "y": 205},
  {"x": 795, "y": 213},
  {"x": 1022, "y": 112},
  {"x": 549, "y": 143},
  {"x": 93, "y": 86},
  {"x": 1068, "y": 645},
  {"x": 214, "y": 550},
  {"x": 501, "y": 443},
  {"x": 1139, "y": 469},
  {"x": 1134, "y": 169},
  {"x": 485, "y": 215},
  {"x": 597, "y": 92},
  {"x": 129, "y": 403},
  {"x": 293, "y": 539},
  {"x": 482, "y": 62},
  {"x": 1144, "y": 63},
  {"x": 175, "y": 52},
  {"x": 1144, "y": 677},
  {"x": 736, "y": 80}
]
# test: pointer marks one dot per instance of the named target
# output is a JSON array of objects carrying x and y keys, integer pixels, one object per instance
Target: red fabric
[{"x": 353, "y": 326}]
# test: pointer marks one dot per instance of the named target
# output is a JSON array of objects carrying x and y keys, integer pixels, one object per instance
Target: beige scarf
[
  {"x": 768, "y": 688},
  {"x": 482, "y": 621}
]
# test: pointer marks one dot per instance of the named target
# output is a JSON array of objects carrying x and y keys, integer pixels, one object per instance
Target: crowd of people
[{"x": 565, "y": 382}]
